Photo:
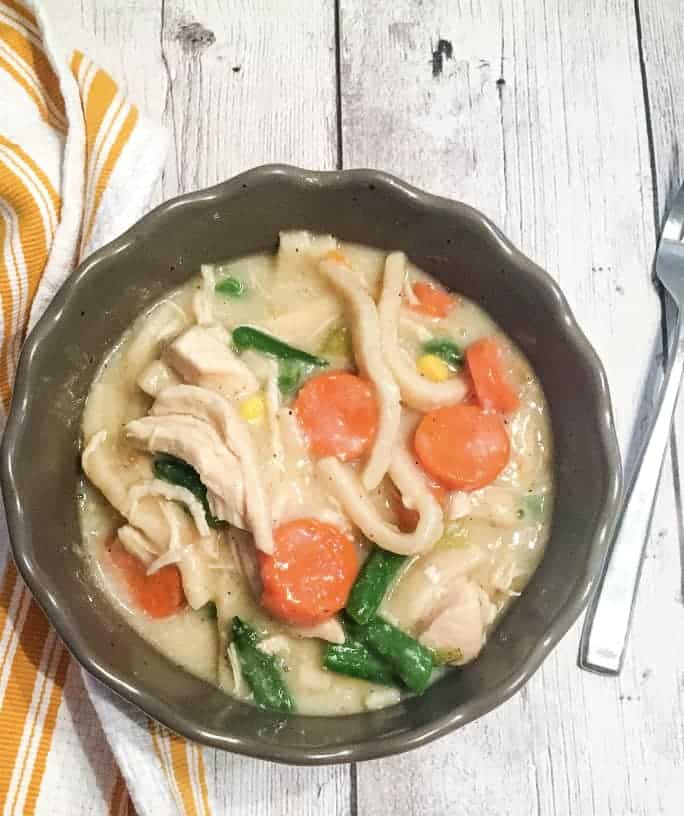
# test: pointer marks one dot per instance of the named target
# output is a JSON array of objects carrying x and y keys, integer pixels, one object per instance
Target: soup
[{"x": 315, "y": 478}]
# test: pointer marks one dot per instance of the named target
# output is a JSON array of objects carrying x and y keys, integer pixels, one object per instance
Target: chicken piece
[
  {"x": 156, "y": 377},
  {"x": 157, "y": 487},
  {"x": 426, "y": 584},
  {"x": 155, "y": 526},
  {"x": 198, "y": 444},
  {"x": 136, "y": 543},
  {"x": 201, "y": 357},
  {"x": 222, "y": 416},
  {"x": 161, "y": 324},
  {"x": 458, "y": 629}
]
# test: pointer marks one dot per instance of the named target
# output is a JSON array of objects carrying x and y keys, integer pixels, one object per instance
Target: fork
[{"x": 606, "y": 626}]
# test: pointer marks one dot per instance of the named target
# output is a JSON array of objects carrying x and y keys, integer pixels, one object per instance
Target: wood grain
[{"x": 520, "y": 112}]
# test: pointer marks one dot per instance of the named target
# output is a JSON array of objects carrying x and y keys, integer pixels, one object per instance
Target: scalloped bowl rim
[{"x": 377, "y": 747}]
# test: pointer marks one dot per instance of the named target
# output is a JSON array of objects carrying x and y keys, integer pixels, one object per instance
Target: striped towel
[{"x": 77, "y": 164}]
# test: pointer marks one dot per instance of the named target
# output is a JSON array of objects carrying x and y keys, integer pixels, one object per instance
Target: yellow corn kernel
[
  {"x": 433, "y": 367},
  {"x": 253, "y": 408}
]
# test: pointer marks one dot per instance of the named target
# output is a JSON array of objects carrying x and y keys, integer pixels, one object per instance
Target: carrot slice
[
  {"x": 487, "y": 370},
  {"x": 159, "y": 594},
  {"x": 339, "y": 414},
  {"x": 432, "y": 301},
  {"x": 462, "y": 446},
  {"x": 311, "y": 571},
  {"x": 407, "y": 518}
]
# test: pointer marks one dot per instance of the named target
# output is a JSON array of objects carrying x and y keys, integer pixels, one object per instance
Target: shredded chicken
[
  {"x": 136, "y": 543},
  {"x": 236, "y": 668},
  {"x": 458, "y": 627},
  {"x": 371, "y": 363},
  {"x": 157, "y": 487},
  {"x": 416, "y": 391},
  {"x": 233, "y": 431},
  {"x": 425, "y": 585},
  {"x": 172, "y": 554},
  {"x": 197, "y": 443}
]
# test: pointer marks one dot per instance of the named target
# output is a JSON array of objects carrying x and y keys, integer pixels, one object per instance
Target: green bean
[
  {"x": 260, "y": 670},
  {"x": 408, "y": 658},
  {"x": 446, "y": 349},
  {"x": 178, "y": 472},
  {"x": 371, "y": 584},
  {"x": 246, "y": 337},
  {"x": 354, "y": 660},
  {"x": 291, "y": 374},
  {"x": 230, "y": 287}
]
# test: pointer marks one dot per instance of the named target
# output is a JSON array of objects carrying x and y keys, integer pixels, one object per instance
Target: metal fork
[{"x": 606, "y": 626}]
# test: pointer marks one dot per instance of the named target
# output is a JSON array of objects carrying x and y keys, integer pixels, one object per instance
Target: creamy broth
[{"x": 260, "y": 473}]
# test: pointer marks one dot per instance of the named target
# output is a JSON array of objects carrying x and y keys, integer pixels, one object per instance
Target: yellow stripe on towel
[
  {"x": 109, "y": 123},
  {"x": 29, "y": 213},
  {"x": 34, "y": 664},
  {"x": 183, "y": 767},
  {"x": 24, "y": 58}
]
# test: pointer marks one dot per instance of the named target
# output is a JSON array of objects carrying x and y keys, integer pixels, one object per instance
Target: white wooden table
[{"x": 560, "y": 119}]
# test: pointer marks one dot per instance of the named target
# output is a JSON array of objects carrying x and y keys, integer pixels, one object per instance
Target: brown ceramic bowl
[{"x": 453, "y": 242}]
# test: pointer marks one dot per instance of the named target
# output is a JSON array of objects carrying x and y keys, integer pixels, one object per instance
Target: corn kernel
[
  {"x": 253, "y": 408},
  {"x": 433, "y": 368}
]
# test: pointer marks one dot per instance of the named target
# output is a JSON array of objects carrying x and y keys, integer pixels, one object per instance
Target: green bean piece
[
  {"x": 260, "y": 670},
  {"x": 230, "y": 287},
  {"x": 446, "y": 349},
  {"x": 176, "y": 471},
  {"x": 372, "y": 583},
  {"x": 246, "y": 337},
  {"x": 409, "y": 659},
  {"x": 354, "y": 660},
  {"x": 291, "y": 374}
]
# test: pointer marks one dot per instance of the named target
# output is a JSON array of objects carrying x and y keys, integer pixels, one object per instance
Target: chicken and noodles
[{"x": 315, "y": 478}]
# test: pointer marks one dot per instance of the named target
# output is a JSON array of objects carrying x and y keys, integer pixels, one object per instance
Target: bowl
[{"x": 453, "y": 242}]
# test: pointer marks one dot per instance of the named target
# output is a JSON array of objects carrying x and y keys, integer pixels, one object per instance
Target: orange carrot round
[
  {"x": 462, "y": 446},
  {"x": 339, "y": 414},
  {"x": 160, "y": 594},
  {"x": 432, "y": 301},
  {"x": 310, "y": 573},
  {"x": 487, "y": 370}
]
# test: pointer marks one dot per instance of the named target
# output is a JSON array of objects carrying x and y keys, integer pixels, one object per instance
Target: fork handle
[{"x": 606, "y": 626}]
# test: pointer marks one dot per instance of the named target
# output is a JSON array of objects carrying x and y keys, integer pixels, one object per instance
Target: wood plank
[
  {"x": 248, "y": 85},
  {"x": 181, "y": 66},
  {"x": 519, "y": 111}
]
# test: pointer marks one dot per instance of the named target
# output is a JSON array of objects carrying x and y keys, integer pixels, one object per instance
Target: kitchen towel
[{"x": 77, "y": 166}]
